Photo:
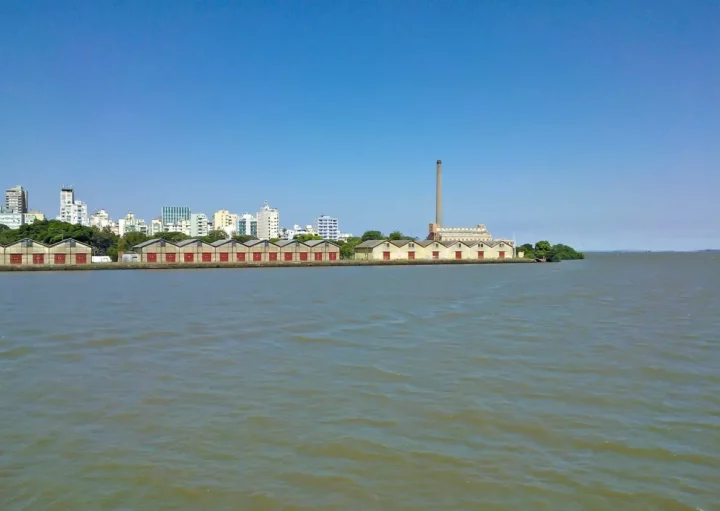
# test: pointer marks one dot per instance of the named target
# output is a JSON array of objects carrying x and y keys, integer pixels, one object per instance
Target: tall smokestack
[{"x": 438, "y": 194}]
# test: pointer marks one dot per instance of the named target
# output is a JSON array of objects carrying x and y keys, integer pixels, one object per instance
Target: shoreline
[{"x": 265, "y": 264}]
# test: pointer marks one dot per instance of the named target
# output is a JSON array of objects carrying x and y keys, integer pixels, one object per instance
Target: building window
[
  {"x": 188, "y": 258},
  {"x": 241, "y": 257},
  {"x": 38, "y": 258},
  {"x": 151, "y": 258},
  {"x": 207, "y": 257},
  {"x": 411, "y": 256},
  {"x": 411, "y": 245},
  {"x": 288, "y": 256},
  {"x": 170, "y": 258},
  {"x": 318, "y": 256},
  {"x": 59, "y": 258},
  {"x": 80, "y": 258},
  {"x": 273, "y": 256},
  {"x": 303, "y": 256},
  {"x": 386, "y": 256},
  {"x": 257, "y": 256},
  {"x": 502, "y": 254},
  {"x": 436, "y": 255},
  {"x": 458, "y": 254},
  {"x": 224, "y": 257},
  {"x": 481, "y": 254}
]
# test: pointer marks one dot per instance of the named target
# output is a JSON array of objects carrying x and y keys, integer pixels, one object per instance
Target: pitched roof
[
  {"x": 284, "y": 243},
  {"x": 371, "y": 243},
  {"x": 65, "y": 241},
  {"x": 24, "y": 240},
  {"x": 400, "y": 243},
  {"x": 252, "y": 243},
  {"x": 219, "y": 243},
  {"x": 186, "y": 242},
  {"x": 151, "y": 242}
]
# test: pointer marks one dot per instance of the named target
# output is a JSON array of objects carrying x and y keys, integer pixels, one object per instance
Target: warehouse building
[
  {"x": 409, "y": 250},
  {"x": 30, "y": 252},
  {"x": 232, "y": 251}
]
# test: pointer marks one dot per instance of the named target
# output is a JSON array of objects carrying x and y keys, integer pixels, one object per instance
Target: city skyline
[{"x": 578, "y": 123}]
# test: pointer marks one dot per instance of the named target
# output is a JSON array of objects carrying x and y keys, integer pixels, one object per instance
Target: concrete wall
[
  {"x": 36, "y": 253},
  {"x": 447, "y": 250}
]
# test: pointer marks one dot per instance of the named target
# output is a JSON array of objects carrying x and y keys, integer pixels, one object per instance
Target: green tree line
[{"x": 551, "y": 253}]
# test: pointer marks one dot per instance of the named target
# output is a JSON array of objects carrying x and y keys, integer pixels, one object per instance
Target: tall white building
[
  {"x": 72, "y": 211},
  {"x": 11, "y": 219},
  {"x": 198, "y": 225},
  {"x": 268, "y": 223},
  {"x": 156, "y": 226},
  {"x": 16, "y": 200},
  {"x": 182, "y": 226},
  {"x": 100, "y": 219},
  {"x": 327, "y": 227},
  {"x": 132, "y": 224}
]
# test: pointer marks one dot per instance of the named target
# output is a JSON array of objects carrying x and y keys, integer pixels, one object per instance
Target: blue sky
[{"x": 591, "y": 123}]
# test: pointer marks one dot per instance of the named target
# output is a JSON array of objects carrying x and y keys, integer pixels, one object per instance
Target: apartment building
[
  {"x": 174, "y": 214},
  {"x": 327, "y": 227},
  {"x": 268, "y": 223},
  {"x": 16, "y": 199},
  {"x": 199, "y": 225}
]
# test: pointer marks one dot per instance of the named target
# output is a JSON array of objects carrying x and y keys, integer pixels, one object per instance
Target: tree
[
  {"x": 372, "y": 235},
  {"x": 306, "y": 237},
  {"x": 528, "y": 249},
  {"x": 347, "y": 249},
  {"x": 397, "y": 235},
  {"x": 542, "y": 248},
  {"x": 214, "y": 235},
  {"x": 242, "y": 238},
  {"x": 3, "y": 227},
  {"x": 551, "y": 253},
  {"x": 127, "y": 242},
  {"x": 172, "y": 236}
]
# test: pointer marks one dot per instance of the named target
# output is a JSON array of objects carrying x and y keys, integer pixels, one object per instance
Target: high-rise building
[
  {"x": 156, "y": 226},
  {"x": 268, "y": 222},
  {"x": 327, "y": 227},
  {"x": 72, "y": 211},
  {"x": 247, "y": 225},
  {"x": 16, "y": 199},
  {"x": 174, "y": 214},
  {"x": 223, "y": 219},
  {"x": 198, "y": 225},
  {"x": 100, "y": 219},
  {"x": 10, "y": 218},
  {"x": 132, "y": 224}
]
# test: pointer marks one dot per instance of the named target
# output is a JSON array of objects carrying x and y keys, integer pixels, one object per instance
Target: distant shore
[{"x": 273, "y": 264}]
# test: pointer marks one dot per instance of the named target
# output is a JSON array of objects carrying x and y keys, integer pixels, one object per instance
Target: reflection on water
[{"x": 587, "y": 385}]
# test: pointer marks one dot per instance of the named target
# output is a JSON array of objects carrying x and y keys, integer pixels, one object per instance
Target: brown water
[{"x": 589, "y": 385}]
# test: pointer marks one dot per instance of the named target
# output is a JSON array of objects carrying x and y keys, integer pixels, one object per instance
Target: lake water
[{"x": 588, "y": 385}]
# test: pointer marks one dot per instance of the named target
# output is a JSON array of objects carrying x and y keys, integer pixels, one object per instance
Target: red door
[
  {"x": 15, "y": 258},
  {"x": 386, "y": 256},
  {"x": 38, "y": 258},
  {"x": 59, "y": 258},
  {"x": 273, "y": 256},
  {"x": 288, "y": 256},
  {"x": 80, "y": 258},
  {"x": 458, "y": 255},
  {"x": 188, "y": 258},
  {"x": 241, "y": 257},
  {"x": 170, "y": 258},
  {"x": 332, "y": 256},
  {"x": 318, "y": 256},
  {"x": 303, "y": 256},
  {"x": 224, "y": 257},
  {"x": 207, "y": 257},
  {"x": 152, "y": 258},
  {"x": 502, "y": 254},
  {"x": 257, "y": 256},
  {"x": 411, "y": 256},
  {"x": 436, "y": 255},
  {"x": 481, "y": 254}
]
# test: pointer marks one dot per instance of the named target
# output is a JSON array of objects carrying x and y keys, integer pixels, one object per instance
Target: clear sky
[{"x": 594, "y": 123}]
